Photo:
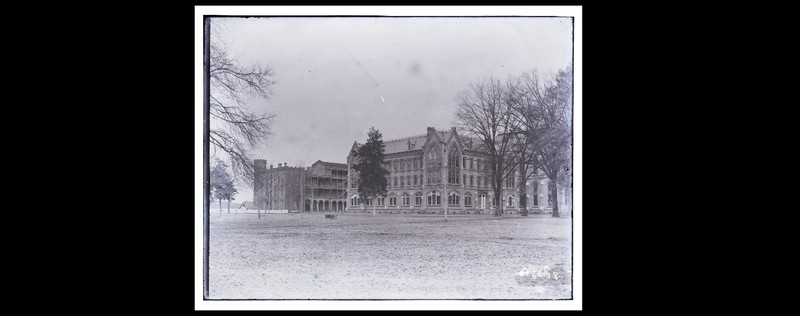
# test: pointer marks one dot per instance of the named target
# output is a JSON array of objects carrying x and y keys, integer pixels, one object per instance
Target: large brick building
[
  {"x": 278, "y": 188},
  {"x": 319, "y": 188},
  {"x": 419, "y": 168}
]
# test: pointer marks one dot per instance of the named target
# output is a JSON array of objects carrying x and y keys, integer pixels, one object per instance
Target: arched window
[
  {"x": 354, "y": 201},
  {"x": 453, "y": 169},
  {"x": 369, "y": 201},
  {"x": 434, "y": 198},
  {"x": 406, "y": 199},
  {"x": 418, "y": 198},
  {"x": 433, "y": 165},
  {"x": 392, "y": 200},
  {"x": 535, "y": 193},
  {"x": 510, "y": 179},
  {"x": 380, "y": 201},
  {"x": 510, "y": 200},
  {"x": 467, "y": 199},
  {"x": 453, "y": 198}
]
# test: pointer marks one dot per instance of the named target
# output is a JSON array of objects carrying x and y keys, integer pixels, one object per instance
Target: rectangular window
[
  {"x": 402, "y": 182},
  {"x": 465, "y": 180},
  {"x": 418, "y": 200},
  {"x": 415, "y": 180},
  {"x": 395, "y": 181}
]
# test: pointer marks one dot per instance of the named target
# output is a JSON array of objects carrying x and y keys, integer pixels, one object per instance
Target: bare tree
[
  {"x": 526, "y": 169},
  {"x": 483, "y": 112},
  {"x": 235, "y": 128},
  {"x": 545, "y": 107}
]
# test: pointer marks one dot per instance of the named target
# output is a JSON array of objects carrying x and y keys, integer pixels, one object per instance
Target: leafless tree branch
[{"x": 232, "y": 86}]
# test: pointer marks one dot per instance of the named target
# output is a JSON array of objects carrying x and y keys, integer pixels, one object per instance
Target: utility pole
[{"x": 444, "y": 178}]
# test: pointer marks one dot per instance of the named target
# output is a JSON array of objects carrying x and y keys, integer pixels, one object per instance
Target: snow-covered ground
[{"x": 400, "y": 256}]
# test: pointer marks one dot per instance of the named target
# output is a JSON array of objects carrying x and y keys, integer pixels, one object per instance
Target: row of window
[
  {"x": 453, "y": 161},
  {"x": 403, "y": 165},
  {"x": 433, "y": 198},
  {"x": 482, "y": 181}
]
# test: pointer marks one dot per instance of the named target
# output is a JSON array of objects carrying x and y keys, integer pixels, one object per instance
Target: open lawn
[{"x": 399, "y": 256}]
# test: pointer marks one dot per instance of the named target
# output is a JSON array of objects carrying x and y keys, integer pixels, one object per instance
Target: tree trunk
[
  {"x": 220, "y": 206},
  {"x": 229, "y": 206},
  {"x": 373, "y": 207},
  {"x": 498, "y": 198},
  {"x": 523, "y": 197},
  {"x": 555, "y": 195}
]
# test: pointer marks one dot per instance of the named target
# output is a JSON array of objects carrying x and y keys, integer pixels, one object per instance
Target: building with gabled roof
[{"x": 429, "y": 170}]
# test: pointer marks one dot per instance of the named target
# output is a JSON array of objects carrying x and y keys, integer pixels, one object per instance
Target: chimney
[
  {"x": 279, "y": 165},
  {"x": 431, "y": 129}
]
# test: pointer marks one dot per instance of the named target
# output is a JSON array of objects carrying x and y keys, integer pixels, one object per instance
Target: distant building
[
  {"x": 247, "y": 205},
  {"x": 326, "y": 187},
  {"x": 319, "y": 188},
  {"x": 278, "y": 188},
  {"x": 420, "y": 166},
  {"x": 540, "y": 195}
]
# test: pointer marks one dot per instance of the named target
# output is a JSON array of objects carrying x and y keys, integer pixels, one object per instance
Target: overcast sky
[{"x": 339, "y": 76}]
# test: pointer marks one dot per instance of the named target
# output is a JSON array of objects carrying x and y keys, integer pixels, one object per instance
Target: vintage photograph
[{"x": 388, "y": 157}]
